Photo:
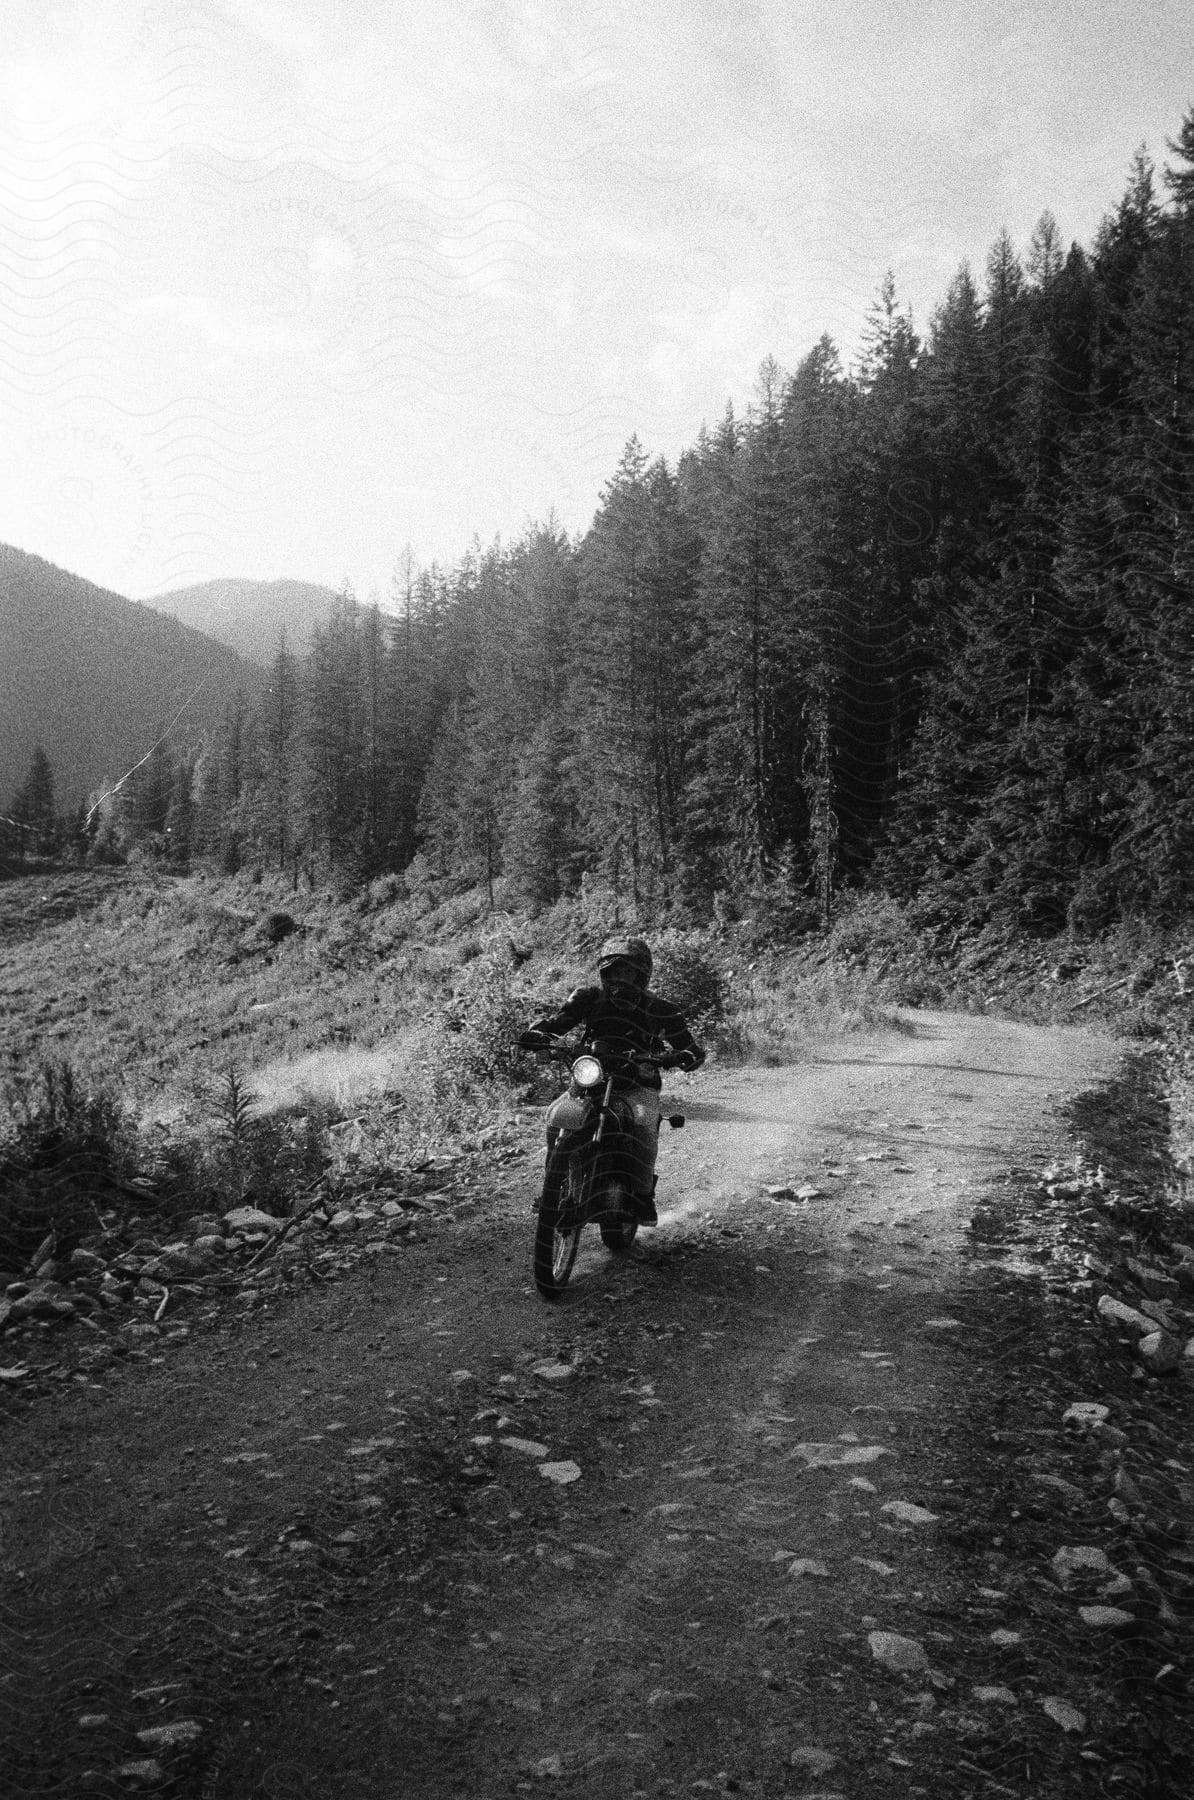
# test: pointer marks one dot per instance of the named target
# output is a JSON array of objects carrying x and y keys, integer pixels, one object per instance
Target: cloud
[{"x": 227, "y": 327}]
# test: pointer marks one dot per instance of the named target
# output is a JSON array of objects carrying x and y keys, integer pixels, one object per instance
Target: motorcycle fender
[{"x": 567, "y": 1112}]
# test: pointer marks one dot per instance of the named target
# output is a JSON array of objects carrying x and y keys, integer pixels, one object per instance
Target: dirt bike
[{"x": 596, "y": 1150}]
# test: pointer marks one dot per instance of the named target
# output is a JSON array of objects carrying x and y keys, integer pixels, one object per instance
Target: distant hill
[
  {"x": 250, "y": 616},
  {"x": 95, "y": 678}
]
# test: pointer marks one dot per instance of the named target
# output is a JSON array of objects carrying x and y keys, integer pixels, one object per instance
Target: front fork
[{"x": 631, "y": 1164}]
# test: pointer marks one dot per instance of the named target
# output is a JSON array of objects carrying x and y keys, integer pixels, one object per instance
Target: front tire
[{"x": 565, "y": 1188}]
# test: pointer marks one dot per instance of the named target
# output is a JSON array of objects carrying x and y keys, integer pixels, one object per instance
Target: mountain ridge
[
  {"x": 95, "y": 678},
  {"x": 250, "y": 616}
]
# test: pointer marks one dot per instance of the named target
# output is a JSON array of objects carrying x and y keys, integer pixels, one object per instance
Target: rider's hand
[
  {"x": 533, "y": 1040},
  {"x": 688, "y": 1060}
]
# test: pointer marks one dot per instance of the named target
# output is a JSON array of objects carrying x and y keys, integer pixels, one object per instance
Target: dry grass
[{"x": 787, "y": 1010}]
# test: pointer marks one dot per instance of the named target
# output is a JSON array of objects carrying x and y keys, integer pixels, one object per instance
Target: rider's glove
[
  {"x": 688, "y": 1060},
  {"x": 532, "y": 1040}
]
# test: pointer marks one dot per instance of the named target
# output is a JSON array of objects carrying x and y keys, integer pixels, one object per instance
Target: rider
[{"x": 624, "y": 1018}]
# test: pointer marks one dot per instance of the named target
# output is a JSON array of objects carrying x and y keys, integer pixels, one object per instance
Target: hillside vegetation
[{"x": 94, "y": 679}]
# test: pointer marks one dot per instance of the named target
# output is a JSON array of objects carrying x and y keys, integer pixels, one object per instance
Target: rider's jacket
[{"x": 637, "y": 1024}]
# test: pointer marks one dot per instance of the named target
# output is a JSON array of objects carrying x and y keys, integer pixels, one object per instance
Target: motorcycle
[{"x": 598, "y": 1144}]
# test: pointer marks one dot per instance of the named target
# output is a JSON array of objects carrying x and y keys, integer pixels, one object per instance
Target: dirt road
[{"x": 415, "y": 1533}]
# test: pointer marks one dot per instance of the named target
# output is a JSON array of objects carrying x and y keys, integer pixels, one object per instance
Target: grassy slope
[
  {"x": 156, "y": 986},
  {"x": 164, "y": 979}
]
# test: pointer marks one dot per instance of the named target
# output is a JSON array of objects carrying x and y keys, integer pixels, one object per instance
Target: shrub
[
  {"x": 228, "y": 1153},
  {"x": 689, "y": 973},
  {"x": 870, "y": 928},
  {"x": 471, "y": 1044},
  {"x": 63, "y": 1145},
  {"x": 484, "y": 1017}
]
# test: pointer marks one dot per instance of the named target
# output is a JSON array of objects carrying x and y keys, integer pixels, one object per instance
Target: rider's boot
[{"x": 644, "y": 1205}]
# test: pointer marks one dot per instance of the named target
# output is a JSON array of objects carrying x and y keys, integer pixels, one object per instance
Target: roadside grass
[{"x": 784, "y": 1013}]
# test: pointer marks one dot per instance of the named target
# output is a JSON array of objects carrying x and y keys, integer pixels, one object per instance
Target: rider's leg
[{"x": 645, "y": 1103}]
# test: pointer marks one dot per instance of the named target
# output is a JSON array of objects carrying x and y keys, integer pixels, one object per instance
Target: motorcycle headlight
[{"x": 587, "y": 1072}]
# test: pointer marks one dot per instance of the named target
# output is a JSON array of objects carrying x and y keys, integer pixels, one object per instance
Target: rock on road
[{"x": 418, "y": 1533}]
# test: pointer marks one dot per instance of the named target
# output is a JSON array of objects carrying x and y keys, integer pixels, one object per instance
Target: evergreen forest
[{"x": 925, "y": 624}]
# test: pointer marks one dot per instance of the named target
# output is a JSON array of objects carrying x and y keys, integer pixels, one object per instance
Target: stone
[
  {"x": 1118, "y": 1588},
  {"x": 147, "y": 1769},
  {"x": 1125, "y": 1489},
  {"x": 1160, "y": 1352},
  {"x": 808, "y": 1566},
  {"x": 1066, "y": 1489},
  {"x": 43, "y": 1302},
  {"x": 1006, "y": 1640},
  {"x": 1062, "y": 1713},
  {"x": 524, "y": 1446},
  {"x": 832, "y": 1456},
  {"x": 1076, "y": 1561},
  {"x": 1086, "y": 1414},
  {"x": 86, "y": 1262},
  {"x": 1118, "y": 1316},
  {"x": 995, "y": 1696},
  {"x": 250, "y": 1221},
  {"x": 907, "y": 1513},
  {"x": 553, "y": 1371},
  {"x": 1106, "y": 1618},
  {"x": 169, "y": 1737},
  {"x": 343, "y": 1220},
  {"x": 813, "y": 1758},
  {"x": 561, "y": 1473},
  {"x": 902, "y": 1655},
  {"x": 1152, "y": 1281},
  {"x": 189, "y": 1260}
]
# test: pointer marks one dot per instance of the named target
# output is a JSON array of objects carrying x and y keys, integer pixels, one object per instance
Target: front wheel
[{"x": 564, "y": 1192}]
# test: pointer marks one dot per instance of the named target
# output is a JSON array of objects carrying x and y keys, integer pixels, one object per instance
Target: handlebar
[{"x": 617, "y": 1064}]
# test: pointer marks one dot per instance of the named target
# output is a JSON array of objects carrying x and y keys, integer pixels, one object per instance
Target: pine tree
[
  {"x": 34, "y": 809},
  {"x": 540, "y": 849},
  {"x": 1180, "y": 179},
  {"x": 623, "y": 802}
]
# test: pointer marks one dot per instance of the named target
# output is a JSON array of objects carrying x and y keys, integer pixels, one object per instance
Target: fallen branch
[
  {"x": 287, "y": 1226},
  {"x": 1099, "y": 993}
]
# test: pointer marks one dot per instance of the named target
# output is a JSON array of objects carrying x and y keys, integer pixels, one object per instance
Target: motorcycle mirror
[{"x": 675, "y": 1120}]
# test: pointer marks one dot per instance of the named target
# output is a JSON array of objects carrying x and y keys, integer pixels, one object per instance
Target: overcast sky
[{"x": 289, "y": 284}]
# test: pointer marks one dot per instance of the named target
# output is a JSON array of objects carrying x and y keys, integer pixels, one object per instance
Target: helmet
[{"x": 633, "y": 950}]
